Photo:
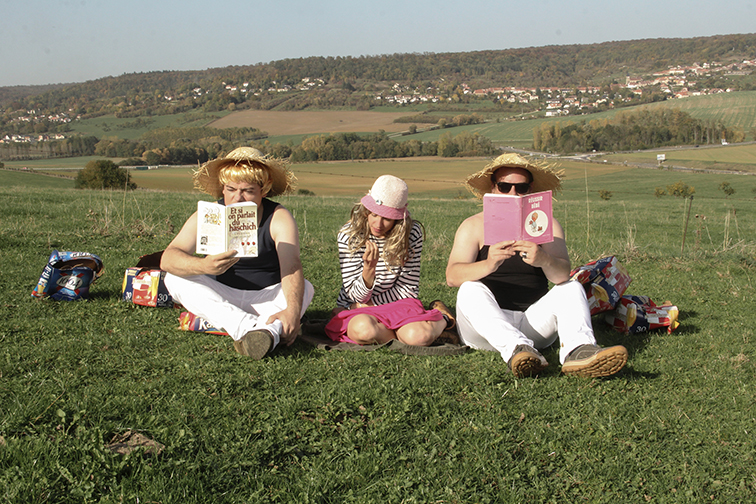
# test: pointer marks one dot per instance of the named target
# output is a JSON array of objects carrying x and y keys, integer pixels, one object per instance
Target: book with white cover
[{"x": 226, "y": 227}]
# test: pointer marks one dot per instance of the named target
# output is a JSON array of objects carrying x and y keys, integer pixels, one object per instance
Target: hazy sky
[{"x": 52, "y": 41}]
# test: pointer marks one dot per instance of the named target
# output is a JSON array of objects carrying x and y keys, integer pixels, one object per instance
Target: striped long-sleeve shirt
[{"x": 391, "y": 284}]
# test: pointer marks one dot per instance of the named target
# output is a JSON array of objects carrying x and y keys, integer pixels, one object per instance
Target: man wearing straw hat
[
  {"x": 504, "y": 303},
  {"x": 259, "y": 301}
]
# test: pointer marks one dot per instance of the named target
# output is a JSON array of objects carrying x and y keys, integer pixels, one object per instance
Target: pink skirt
[{"x": 392, "y": 315}]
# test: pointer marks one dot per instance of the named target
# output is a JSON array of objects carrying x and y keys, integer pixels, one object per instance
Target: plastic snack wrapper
[
  {"x": 146, "y": 287},
  {"x": 636, "y": 314},
  {"x": 190, "y": 322},
  {"x": 67, "y": 276},
  {"x": 144, "y": 284},
  {"x": 605, "y": 281}
]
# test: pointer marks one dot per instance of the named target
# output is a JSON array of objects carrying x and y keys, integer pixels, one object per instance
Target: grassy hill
[
  {"x": 737, "y": 109},
  {"x": 309, "y": 425}
]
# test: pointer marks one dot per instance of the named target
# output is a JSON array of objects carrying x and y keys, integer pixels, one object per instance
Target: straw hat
[
  {"x": 206, "y": 177},
  {"x": 545, "y": 177},
  {"x": 387, "y": 197}
]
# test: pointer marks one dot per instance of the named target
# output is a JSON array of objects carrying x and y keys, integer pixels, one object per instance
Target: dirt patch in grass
[{"x": 325, "y": 121}]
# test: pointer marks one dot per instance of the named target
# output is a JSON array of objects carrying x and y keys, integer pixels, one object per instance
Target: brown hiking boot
[
  {"x": 255, "y": 344},
  {"x": 526, "y": 361},
  {"x": 439, "y": 305},
  {"x": 592, "y": 361},
  {"x": 447, "y": 336}
]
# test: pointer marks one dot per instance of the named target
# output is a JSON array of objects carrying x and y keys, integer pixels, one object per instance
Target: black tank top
[
  {"x": 515, "y": 284},
  {"x": 256, "y": 273}
]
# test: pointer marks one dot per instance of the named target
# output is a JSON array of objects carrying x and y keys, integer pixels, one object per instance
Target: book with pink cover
[{"x": 525, "y": 217}]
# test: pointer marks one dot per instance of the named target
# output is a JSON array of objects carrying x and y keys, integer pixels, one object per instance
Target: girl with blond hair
[{"x": 379, "y": 255}]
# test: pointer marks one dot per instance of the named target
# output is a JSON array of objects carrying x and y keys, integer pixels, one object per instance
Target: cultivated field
[
  {"x": 713, "y": 157},
  {"x": 443, "y": 177},
  {"x": 324, "y": 121},
  {"x": 132, "y": 128}
]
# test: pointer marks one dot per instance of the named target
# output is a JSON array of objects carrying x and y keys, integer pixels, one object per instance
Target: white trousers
[
  {"x": 236, "y": 311},
  {"x": 563, "y": 312}
]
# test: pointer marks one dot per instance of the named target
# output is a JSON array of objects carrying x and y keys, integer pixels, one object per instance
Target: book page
[
  {"x": 241, "y": 223},
  {"x": 537, "y": 211},
  {"x": 211, "y": 237},
  {"x": 501, "y": 218}
]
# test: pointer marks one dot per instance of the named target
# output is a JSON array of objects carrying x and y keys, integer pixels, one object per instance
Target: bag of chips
[
  {"x": 604, "y": 280},
  {"x": 67, "y": 276},
  {"x": 146, "y": 287},
  {"x": 635, "y": 314},
  {"x": 144, "y": 284},
  {"x": 190, "y": 322}
]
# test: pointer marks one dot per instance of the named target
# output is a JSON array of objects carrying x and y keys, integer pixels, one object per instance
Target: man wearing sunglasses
[{"x": 504, "y": 302}]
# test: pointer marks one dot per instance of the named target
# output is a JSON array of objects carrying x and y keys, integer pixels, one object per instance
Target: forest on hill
[{"x": 348, "y": 77}]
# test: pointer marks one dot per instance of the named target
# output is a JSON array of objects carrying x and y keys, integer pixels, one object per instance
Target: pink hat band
[
  {"x": 387, "y": 197},
  {"x": 378, "y": 208}
]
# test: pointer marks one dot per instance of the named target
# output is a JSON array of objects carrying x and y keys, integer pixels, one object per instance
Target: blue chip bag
[{"x": 68, "y": 275}]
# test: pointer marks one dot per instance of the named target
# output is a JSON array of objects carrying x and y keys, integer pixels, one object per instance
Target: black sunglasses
[{"x": 520, "y": 187}]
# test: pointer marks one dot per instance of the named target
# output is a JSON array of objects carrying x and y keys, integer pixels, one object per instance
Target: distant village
[{"x": 677, "y": 82}]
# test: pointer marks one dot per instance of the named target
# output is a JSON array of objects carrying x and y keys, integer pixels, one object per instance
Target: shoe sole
[
  {"x": 255, "y": 344},
  {"x": 526, "y": 364},
  {"x": 605, "y": 363}
]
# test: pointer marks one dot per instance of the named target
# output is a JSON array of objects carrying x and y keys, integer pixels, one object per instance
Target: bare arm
[
  {"x": 463, "y": 265},
  {"x": 179, "y": 259},
  {"x": 283, "y": 230}
]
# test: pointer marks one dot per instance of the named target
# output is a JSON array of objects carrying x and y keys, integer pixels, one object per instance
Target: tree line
[
  {"x": 643, "y": 129},
  {"x": 183, "y": 146},
  {"x": 350, "y": 146}
]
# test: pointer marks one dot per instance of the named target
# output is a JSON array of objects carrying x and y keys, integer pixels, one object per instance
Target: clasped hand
[{"x": 530, "y": 252}]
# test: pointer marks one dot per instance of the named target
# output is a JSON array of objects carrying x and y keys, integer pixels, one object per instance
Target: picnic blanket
[{"x": 314, "y": 333}]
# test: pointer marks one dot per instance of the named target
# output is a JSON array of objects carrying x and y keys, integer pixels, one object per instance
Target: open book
[
  {"x": 525, "y": 217},
  {"x": 225, "y": 227}
]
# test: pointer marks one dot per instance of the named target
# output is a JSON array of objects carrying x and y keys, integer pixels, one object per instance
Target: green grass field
[
  {"x": 132, "y": 128},
  {"x": 311, "y": 426}
]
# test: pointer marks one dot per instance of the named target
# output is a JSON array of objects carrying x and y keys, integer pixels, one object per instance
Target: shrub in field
[
  {"x": 680, "y": 189},
  {"x": 659, "y": 192},
  {"x": 727, "y": 189},
  {"x": 104, "y": 174},
  {"x": 605, "y": 195}
]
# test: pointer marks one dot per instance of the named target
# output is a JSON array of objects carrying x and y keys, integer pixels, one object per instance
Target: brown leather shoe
[
  {"x": 440, "y": 306},
  {"x": 526, "y": 361},
  {"x": 592, "y": 361},
  {"x": 255, "y": 344},
  {"x": 447, "y": 336}
]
